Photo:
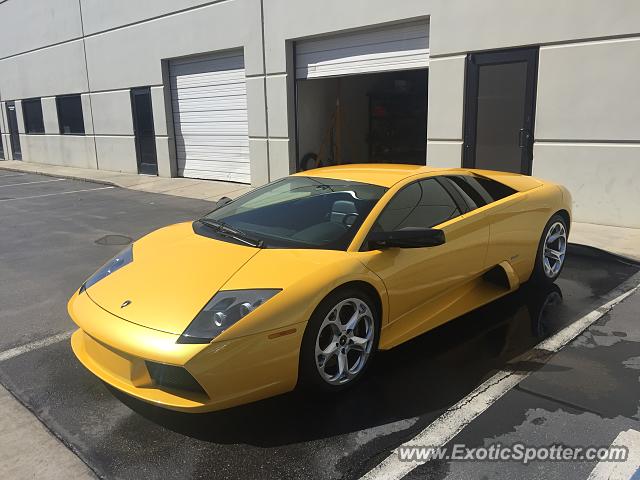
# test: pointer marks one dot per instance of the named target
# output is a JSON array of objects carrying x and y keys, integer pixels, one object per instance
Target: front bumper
[{"x": 230, "y": 373}]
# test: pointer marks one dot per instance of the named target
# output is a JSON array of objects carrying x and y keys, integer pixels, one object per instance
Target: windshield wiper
[{"x": 228, "y": 231}]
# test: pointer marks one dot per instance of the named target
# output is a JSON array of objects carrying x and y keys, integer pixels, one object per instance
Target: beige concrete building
[{"x": 251, "y": 90}]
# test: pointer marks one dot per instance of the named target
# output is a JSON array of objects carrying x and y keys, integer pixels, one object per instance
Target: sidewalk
[
  {"x": 45, "y": 456},
  {"x": 180, "y": 187},
  {"x": 618, "y": 240}
]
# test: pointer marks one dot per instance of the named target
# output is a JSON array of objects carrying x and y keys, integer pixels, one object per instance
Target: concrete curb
[
  {"x": 62, "y": 175},
  {"x": 208, "y": 190}
]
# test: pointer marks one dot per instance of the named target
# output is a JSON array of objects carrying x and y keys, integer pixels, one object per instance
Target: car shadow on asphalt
[{"x": 422, "y": 377}]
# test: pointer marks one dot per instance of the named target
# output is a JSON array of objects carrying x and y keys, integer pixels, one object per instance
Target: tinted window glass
[
  {"x": 497, "y": 190},
  {"x": 32, "y": 113},
  {"x": 302, "y": 212},
  {"x": 481, "y": 190},
  {"x": 70, "y": 116},
  {"x": 468, "y": 193},
  {"x": 422, "y": 204}
]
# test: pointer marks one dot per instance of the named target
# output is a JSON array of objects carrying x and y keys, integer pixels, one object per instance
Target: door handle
[{"x": 524, "y": 138}]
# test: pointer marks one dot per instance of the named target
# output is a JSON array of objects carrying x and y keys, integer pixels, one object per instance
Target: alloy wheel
[
  {"x": 554, "y": 250},
  {"x": 344, "y": 341}
]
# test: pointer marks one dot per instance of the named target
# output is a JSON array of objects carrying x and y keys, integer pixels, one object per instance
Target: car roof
[{"x": 385, "y": 175}]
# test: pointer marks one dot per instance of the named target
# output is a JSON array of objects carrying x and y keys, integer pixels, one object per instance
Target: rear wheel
[
  {"x": 340, "y": 340},
  {"x": 552, "y": 251}
]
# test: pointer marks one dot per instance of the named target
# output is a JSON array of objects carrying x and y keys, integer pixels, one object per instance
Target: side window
[
  {"x": 32, "y": 115},
  {"x": 422, "y": 204},
  {"x": 480, "y": 191},
  {"x": 471, "y": 197},
  {"x": 497, "y": 190},
  {"x": 70, "y": 116}
]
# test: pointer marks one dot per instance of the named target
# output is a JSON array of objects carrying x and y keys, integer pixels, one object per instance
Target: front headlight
[
  {"x": 117, "y": 262},
  {"x": 222, "y": 311}
]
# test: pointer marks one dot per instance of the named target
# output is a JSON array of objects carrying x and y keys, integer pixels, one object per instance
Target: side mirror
[
  {"x": 406, "y": 238},
  {"x": 222, "y": 202}
]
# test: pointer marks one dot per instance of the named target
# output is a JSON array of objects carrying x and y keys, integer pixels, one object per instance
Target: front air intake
[{"x": 175, "y": 378}]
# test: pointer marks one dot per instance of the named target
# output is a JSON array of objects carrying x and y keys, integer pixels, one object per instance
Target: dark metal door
[
  {"x": 14, "y": 135},
  {"x": 145, "y": 137},
  {"x": 500, "y": 95}
]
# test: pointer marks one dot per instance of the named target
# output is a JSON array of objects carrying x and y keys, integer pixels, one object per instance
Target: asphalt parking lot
[{"x": 55, "y": 232}]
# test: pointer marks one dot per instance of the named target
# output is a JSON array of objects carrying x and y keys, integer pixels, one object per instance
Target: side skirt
[{"x": 491, "y": 285}]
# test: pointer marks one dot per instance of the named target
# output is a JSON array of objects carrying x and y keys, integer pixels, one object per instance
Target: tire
[
  {"x": 309, "y": 162},
  {"x": 551, "y": 252},
  {"x": 328, "y": 330}
]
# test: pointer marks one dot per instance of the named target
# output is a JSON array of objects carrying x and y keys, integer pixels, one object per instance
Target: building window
[
  {"x": 32, "y": 113},
  {"x": 70, "y": 116}
]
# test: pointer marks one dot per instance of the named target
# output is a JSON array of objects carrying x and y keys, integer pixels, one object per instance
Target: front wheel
[
  {"x": 340, "y": 340},
  {"x": 552, "y": 251}
]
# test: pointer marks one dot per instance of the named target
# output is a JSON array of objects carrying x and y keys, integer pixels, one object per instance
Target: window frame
[
  {"x": 60, "y": 98},
  {"x": 25, "y": 116},
  {"x": 456, "y": 198}
]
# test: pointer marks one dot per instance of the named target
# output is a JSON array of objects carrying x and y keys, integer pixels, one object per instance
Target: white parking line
[
  {"x": 45, "y": 342},
  {"x": 13, "y": 175},
  {"x": 52, "y": 194},
  {"x": 626, "y": 470},
  {"x": 457, "y": 417},
  {"x": 31, "y": 183}
]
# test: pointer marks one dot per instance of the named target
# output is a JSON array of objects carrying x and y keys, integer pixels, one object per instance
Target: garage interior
[
  {"x": 370, "y": 118},
  {"x": 361, "y": 96}
]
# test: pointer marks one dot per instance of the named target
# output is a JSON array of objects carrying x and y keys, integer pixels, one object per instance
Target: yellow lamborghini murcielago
[{"x": 303, "y": 280}]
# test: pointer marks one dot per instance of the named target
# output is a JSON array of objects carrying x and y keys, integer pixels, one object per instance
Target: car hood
[{"x": 174, "y": 273}]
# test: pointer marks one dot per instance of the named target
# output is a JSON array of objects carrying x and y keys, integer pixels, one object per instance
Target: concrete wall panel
[
  {"x": 51, "y": 71},
  {"x": 461, "y": 26},
  {"x": 602, "y": 179},
  {"x": 99, "y": 15},
  {"x": 258, "y": 150},
  {"x": 165, "y": 152},
  {"x": 132, "y": 56},
  {"x": 19, "y": 116},
  {"x": 117, "y": 154},
  {"x": 112, "y": 113},
  {"x": 281, "y": 161},
  {"x": 159, "y": 112},
  {"x": 29, "y": 24},
  {"x": 446, "y": 154},
  {"x": 589, "y": 91},
  {"x": 256, "y": 107},
  {"x": 87, "y": 113},
  {"x": 277, "y": 94},
  {"x": 446, "y": 98},
  {"x": 50, "y": 115},
  {"x": 70, "y": 150}
]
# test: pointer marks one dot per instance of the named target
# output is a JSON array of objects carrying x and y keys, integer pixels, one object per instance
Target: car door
[
  {"x": 423, "y": 284},
  {"x": 515, "y": 224}
]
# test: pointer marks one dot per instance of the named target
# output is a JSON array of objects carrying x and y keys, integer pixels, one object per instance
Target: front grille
[{"x": 176, "y": 378}]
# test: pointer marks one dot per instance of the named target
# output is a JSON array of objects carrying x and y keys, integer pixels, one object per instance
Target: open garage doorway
[
  {"x": 370, "y": 118},
  {"x": 361, "y": 96}
]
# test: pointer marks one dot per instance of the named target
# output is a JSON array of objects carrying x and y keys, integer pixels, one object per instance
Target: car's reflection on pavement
[{"x": 419, "y": 378}]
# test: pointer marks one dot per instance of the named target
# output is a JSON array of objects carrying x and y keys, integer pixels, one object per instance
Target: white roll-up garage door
[
  {"x": 383, "y": 49},
  {"x": 209, "y": 100}
]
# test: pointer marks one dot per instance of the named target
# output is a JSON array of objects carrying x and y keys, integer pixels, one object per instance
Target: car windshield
[{"x": 298, "y": 212}]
